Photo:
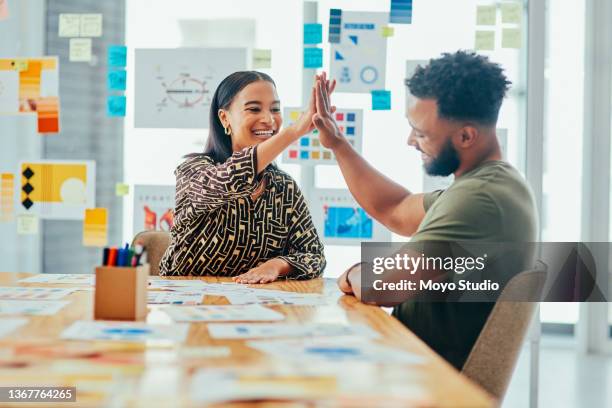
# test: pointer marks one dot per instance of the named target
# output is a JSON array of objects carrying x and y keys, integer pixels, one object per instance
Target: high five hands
[
  {"x": 329, "y": 133},
  {"x": 305, "y": 123}
]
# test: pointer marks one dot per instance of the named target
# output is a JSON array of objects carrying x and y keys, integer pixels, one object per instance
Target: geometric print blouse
[{"x": 220, "y": 230}]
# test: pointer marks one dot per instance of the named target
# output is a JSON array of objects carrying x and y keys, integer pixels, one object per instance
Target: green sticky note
[
  {"x": 262, "y": 58},
  {"x": 511, "y": 38},
  {"x": 387, "y": 31},
  {"x": 511, "y": 13},
  {"x": 122, "y": 189},
  {"x": 485, "y": 15},
  {"x": 485, "y": 41}
]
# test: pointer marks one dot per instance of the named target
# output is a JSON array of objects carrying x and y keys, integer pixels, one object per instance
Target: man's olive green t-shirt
[{"x": 491, "y": 203}]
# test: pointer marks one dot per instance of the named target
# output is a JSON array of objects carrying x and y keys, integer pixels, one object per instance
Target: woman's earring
[{"x": 227, "y": 130}]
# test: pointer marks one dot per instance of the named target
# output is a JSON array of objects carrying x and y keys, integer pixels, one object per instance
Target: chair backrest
[
  {"x": 493, "y": 357},
  {"x": 155, "y": 243}
]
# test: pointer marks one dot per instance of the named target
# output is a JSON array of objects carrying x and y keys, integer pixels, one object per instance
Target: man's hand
[
  {"x": 350, "y": 281},
  {"x": 267, "y": 272},
  {"x": 329, "y": 133},
  {"x": 305, "y": 123}
]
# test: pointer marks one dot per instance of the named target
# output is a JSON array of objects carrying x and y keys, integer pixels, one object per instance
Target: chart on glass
[
  {"x": 309, "y": 150},
  {"x": 340, "y": 221},
  {"x": 174, "y": 87}
]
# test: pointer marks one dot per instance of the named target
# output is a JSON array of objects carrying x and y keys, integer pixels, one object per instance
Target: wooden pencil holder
[{"x": 121, "y": 293}]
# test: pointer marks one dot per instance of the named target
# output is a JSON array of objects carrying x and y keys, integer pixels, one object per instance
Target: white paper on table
[
  {"x": 9, "y": 325},
  {"x": 211, "y": 313},
  {"x": 176, "y": 284},
  {"x": 31, "y": 293},
  {"x": 263, "y": 330},
  {"x": 31, "y": 307},
  {"x": 68, "y": 278},
  {"x": 125, "y": 331},
  {"x": 276, "y": 298},
  {"x": 174, "y": 298},
  {"x": 333, "y": 349}
]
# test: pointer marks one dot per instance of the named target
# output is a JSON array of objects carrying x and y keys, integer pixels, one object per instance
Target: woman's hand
[
  {"x": 305, "y": 123},
  {"x": 267, "y": 272},
  {"x": 329, "y": 133}
]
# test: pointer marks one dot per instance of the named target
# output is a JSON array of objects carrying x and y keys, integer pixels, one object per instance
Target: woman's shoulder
[
  {"x": 194, "y": 161},
  {"x": 282, "y": 178}
]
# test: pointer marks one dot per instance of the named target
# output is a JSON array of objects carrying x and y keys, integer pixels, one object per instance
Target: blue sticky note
[
  {"x": 313, "y": 33},
  {"x": 304, "y": 141},
  {"x": 381, "y": 100},
  {"x": 350, "y": 130},
  {"x": 117, "y": 55},
  {"x": 115, "y": 80},
  {"x": 304, "y": 154},
  {"x": 313, "y": 57},
  {"x": 115, "y": 105},
  {"x": 350, "y": 117},
  {"x": 401, "y": 12}
]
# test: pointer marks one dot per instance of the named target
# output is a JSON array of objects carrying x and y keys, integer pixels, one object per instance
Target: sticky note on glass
[
  {"x": 122, "y": 189},
  {"x": 69, "y": 25},
  {"x": 485, "y": 41},
  {"x": 262, "y": 58},
  {"x": 80, "y": 49},
  {"x": 313, "y": 33},
  {"x": 47, "y": 111},
  {"x": 401, "y": 12},
  {"x": 387, "y": 31},
  {"x": 20, "y": 65},
  {"x": 117, "y": 56},
  {"x": 115, "y": 105},
  {"x": 511, "y": 38},
  {"x": 511, "y": 12},
  {"x": 95, "y": 227},
  {"x": 486, "y": 15},
  {"x": 313, "y": 57},
  {"x": 7, "y": 196},
  {"x": 91, "y": 25},
  {"x": 115, "y": 80},
  {"x": 381, "y": 100},
  {"x": 4, "y": 11},
  {"x": 27, "y": 224},
  {"x": 294, "y": 115}
]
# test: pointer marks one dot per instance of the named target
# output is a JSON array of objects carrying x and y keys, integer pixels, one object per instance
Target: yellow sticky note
[
  {"x": 69, "y": 25},
  {"x": 80, "y": 49},
  {"x": 27, "y": 224},
  {"x": 485, "y": 41},
  {"x": 294, "y": 115},
  {"x": 511, "y": 38},
  {"x": 262, "y": 58},
  {"x": 511, "y": 12},
  {"x": 485, "y": 15},
  {"x": 21, "y": 65},
  {"x": 122, "y": 189},
  {"x": 91, "y": 25},
  {"x": 7, "y": 196},
  {"x": 95, "y": 227},
  {"x": 387, "y": 31}
]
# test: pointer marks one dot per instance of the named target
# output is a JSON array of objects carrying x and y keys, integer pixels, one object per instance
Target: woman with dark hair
[{"x": 236, "y": 213}]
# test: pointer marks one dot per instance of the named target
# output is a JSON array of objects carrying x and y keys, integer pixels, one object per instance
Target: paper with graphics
[
  {"x": 358, "y": 61},
  {"x": 263, "y": 330},
  {"x": 153, "y": 207},
  {"x": 186, "y": 284},
  {"x": 7, "y": 326},
  {"x": 31, "y": 307},
  {"x": 125, "y": 331},
  {"x": 57, "y": 189},
  {"x": 66, "y": 278},
  {"x": 330, "y": 349},
  {"x": 31, "y": 293},
  {"x": 217, "y": 313},
  {"x": 174, "y": 87},
  {"x": 174, "y": 298},
  {"x": 340, "y": 221}
]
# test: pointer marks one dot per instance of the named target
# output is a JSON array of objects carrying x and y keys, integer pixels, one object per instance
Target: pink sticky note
[{"x": 4, "y": 12}]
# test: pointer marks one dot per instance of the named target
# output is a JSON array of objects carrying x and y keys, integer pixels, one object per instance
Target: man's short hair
[{"x": 466, "y": 86}]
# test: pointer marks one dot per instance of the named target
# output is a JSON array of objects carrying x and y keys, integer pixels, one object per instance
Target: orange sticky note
[
  {"x": 4, "y": 12},
  {"x": 7, "y": 195},
  {"x": 48, "y": 114},
  {"x": 95, "y": 227}
]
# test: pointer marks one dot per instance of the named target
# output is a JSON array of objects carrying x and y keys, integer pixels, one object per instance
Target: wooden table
[{"x": 158, "y": 374}]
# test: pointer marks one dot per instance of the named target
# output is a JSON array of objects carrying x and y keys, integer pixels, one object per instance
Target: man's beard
[{"x": 445, "y": 163}]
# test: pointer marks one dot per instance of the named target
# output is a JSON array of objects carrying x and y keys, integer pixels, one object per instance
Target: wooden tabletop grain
[{"x": 151, "y": 374}]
